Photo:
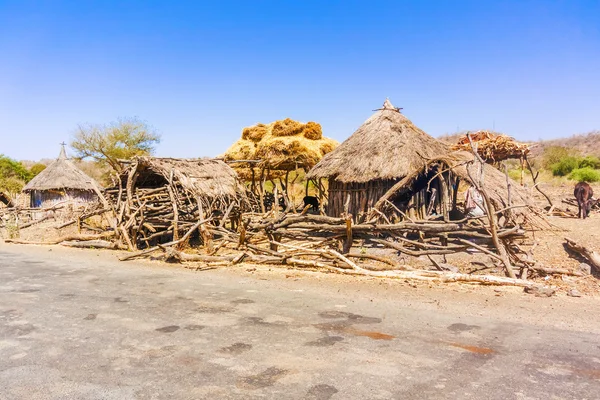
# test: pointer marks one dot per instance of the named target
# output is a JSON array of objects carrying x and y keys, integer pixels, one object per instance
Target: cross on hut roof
[{"x": 63, "y": 153}]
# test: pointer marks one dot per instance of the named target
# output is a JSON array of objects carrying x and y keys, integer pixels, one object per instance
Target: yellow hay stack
[
  {"x": 280, "y": 146},
  {"x": 255, "y": 133}
]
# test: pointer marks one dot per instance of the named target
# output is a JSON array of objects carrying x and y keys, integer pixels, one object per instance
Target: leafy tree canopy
[
  {"x": 13, "y": 175},
  {"x": 107, "y": 144}
]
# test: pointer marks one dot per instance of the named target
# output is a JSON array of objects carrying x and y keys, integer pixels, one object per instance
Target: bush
[
  {"x": 515, "y": 174},
  {"x": 565, "y": 166},
  {"x": 586, "y": 174},
  {"x": 555, "y": 154},
  {"x": 590, "y": 162},
  {"x": 36, "y": 169}
]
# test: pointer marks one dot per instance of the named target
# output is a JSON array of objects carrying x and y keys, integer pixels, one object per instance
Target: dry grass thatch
[
  {"x": 493, "y": 147},
  {"x": 62, "y": 174},
  {"x": 283, "y": 146},
  {"x": 387, "y": 146},
  {"x": 206, "y": 178}
]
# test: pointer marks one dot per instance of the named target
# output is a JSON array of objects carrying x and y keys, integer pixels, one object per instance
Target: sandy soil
[{"x": 508, "y": 304}]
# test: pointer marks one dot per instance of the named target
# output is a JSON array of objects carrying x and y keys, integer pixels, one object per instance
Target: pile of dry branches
[{"x": 493, "y": 147}]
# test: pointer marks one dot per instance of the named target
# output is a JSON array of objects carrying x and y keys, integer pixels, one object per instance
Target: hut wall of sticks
[
  {"x": 440, "y": 181},
  {"x": 158, "y": 198},
  {"x": 384, "y": 149},
  {"x": 267, "y": 152}
]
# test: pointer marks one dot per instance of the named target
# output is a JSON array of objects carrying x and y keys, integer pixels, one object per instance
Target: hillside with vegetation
[{"x": 575, "y": 158}]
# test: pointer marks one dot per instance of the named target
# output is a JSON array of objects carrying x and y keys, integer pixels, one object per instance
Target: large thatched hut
[
  {"x": 383, "y": 150},
  {"x": 61, "y": 182}
]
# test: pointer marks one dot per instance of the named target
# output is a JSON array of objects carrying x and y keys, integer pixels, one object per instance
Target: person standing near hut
[{"x": 474, "y": 206}]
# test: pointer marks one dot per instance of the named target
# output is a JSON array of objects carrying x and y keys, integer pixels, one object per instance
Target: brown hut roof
[
  {"x": 205, "y": 177},
  {"x": 62, "y": 174},
  {"x": 387, "y": 146}
]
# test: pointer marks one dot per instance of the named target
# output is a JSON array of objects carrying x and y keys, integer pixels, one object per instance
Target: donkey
[{"x": 584, "y": 196}]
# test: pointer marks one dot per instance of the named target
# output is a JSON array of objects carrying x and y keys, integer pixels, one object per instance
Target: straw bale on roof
[
  {"x": 281, "y": 145},
  {"x": 386, "y": 146}
]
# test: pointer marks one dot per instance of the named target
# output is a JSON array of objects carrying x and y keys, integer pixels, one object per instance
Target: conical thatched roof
[
  {"x": 62, "y": 174},
  {"x": 387, "y": 146}
]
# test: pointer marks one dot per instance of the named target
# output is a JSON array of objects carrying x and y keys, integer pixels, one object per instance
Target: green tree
[
  {"x": 36, "y": 169},
  {"x": 120, "y": 140},
  {"x": 13, "y": 175}
]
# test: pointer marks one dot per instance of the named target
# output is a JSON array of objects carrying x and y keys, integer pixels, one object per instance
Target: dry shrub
[
  {"x": 312, "y": 131},
  {"x": 255, "y": 133},
  {"x": 286, "y": 127}
]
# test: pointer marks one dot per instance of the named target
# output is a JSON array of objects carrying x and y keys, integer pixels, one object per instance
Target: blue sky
[{"x": 200, "y": 71}]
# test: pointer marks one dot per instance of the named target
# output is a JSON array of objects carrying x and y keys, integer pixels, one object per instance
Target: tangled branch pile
[{"x": 493, "y": 147}]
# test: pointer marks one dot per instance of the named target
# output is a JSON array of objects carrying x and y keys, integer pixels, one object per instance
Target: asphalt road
[{"x": 98, "y": 329}]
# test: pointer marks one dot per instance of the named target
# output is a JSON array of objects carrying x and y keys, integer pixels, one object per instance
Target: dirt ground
[
  {"x": 549, "y": 249},
  {"x": 506, "y": 303}
]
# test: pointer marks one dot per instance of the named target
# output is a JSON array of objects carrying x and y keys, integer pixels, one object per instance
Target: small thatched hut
[
  {"x": 61, "y": 182},
  {"x": 384, "y": 149}
]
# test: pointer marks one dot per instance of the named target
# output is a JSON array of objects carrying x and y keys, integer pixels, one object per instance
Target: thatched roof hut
[
  {"x": 384, "y": 149},
  {"x": 206, "y": 178},
  {"x": 61, "y": 181}
]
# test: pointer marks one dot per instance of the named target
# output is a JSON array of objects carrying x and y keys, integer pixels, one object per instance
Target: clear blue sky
[{"x": 200, "y": 71}]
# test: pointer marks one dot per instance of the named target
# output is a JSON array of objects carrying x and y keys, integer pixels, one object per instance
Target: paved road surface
[{"x": 73, "y": 329}]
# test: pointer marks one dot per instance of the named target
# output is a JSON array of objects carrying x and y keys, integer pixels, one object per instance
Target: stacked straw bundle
[
  {"x": 493, "y": 147},
  {"x": 280, "y": 146}
]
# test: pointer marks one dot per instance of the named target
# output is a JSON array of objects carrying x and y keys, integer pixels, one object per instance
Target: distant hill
[{"x": 585, "y": 143}]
